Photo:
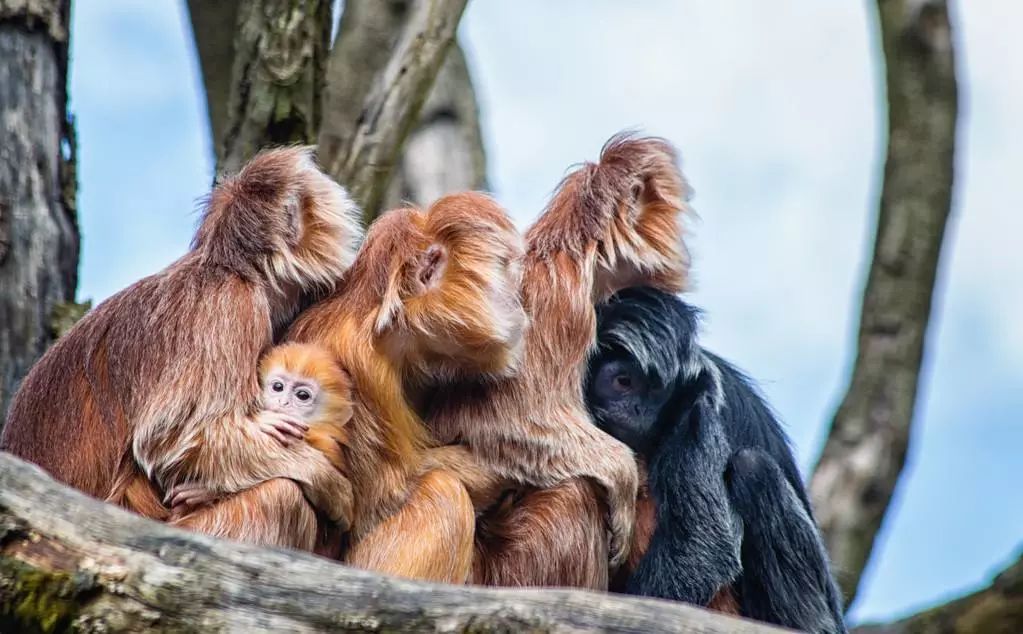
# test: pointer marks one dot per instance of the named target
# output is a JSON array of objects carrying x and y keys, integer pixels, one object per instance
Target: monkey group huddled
[{"x": 444, "y": 399}]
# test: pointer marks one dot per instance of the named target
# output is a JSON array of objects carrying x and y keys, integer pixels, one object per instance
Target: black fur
[{"x": 732, "y": 511}]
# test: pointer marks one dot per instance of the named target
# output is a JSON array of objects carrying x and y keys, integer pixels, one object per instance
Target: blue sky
[{"x": 776, "y": 109}]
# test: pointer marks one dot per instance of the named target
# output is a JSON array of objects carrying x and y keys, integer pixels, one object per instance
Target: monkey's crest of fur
[
  {"x": 626, "y": 210},
  {"x": 644, "y": 323},
  {"x": 284, "y": 215}
]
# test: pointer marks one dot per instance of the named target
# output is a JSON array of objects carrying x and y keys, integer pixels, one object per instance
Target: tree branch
[
  {"x": 996, "y": 608},
  {"x": 69, "y": 561},
  {"x": 444, "y": 153},
  {"x": 374, "y": 94},
  {"x": 863, "y": 457}
]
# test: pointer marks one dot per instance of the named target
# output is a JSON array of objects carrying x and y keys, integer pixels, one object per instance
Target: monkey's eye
[
  {"x": 303, "y": 395},
  {"x": 616, "y": 379},
  {"x": 622, "y": 382},
  {"x": 277, "y": 386}
]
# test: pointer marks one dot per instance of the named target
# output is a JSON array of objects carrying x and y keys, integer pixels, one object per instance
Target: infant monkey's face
[{"x": 287, "y": 393}]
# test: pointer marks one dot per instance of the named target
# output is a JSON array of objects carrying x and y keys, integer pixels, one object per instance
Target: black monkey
[{"x": 731, "y": 511}]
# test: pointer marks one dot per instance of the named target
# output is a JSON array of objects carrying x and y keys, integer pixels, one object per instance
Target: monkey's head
[
  {"x": 647, "y": 231},
  {"x": 648, "y": 367},
  {"x": 282, "y": 223},
  {"x": 449, "y": 281},
  {"x": 302, "y": 380}
]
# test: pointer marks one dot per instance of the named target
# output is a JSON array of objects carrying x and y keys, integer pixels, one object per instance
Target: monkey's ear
[
  {"x": 430, "y": 267},
  {"x": 423, "y": 274}
]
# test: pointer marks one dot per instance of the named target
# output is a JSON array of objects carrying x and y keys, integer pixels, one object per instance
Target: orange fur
[
  {"x": 328, "y": 431},
  {"x": 430, "y": 292},
  {"x": 158, "y": 387},
  {"x": 611, "y": 224}
]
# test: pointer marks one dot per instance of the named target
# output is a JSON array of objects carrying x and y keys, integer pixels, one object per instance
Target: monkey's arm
[
  {"x": 483, "y": 484},
  {"x": 612, "y": 465},
  {"x": 785, "y": 570},
  {"x": 233, "y": 454},
  {"x": 694, "y": 552}
]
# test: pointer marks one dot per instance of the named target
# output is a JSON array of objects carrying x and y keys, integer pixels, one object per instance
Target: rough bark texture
[
  {"x": 278, "y": 60},
  {"x": 379, "y": 75},
  {"x": 376, "y": 39},
  {"x": 866, "y": 448},
  {"x": 996, "y": 609},
  {"x": 70, "y": 562},
  {"x": 38, "y": 227}
]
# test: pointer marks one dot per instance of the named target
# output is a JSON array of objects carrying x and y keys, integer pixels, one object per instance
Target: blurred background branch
[
  {"x": 865, "y": 452},
  {"x": 995, "y": 609}
]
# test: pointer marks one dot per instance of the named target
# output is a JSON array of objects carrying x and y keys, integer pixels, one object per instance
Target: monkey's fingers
[
  {"x": 272, "y": 430},
  {"x": 189, "y": 495},
  {"x": 291, "y": 427},
  {"x": 285, "y": 430}
]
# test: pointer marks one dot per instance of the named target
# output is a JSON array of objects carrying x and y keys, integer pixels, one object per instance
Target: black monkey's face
[{"x": 625, "y": 401}]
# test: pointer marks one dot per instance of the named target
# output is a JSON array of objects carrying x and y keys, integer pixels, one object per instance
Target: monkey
[
  {"x": 305, "y": 383},
  {"x": 609, "y": 225},
  {"x": 431, "y": 292},
  {"x": 727, "y": 522},
  {"x": 314, "y": 394},
  {"x": 155, "y": 393}
]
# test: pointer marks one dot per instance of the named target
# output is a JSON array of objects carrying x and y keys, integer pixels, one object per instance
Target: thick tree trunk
[
  {"x": 866, "y": 448},
  {"x": 278, "y": 60},
  {"x": 380, "y": 73},
  {"x": 212, "y": 26},
  {"x": 38, "y": 228},
  {"x": 382, "y": 65},
  {"x": 71, "y": 562},
  {"x": 996, "y": 609}
]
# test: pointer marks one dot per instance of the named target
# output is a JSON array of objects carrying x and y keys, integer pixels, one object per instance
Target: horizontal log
[{"x": 68, "y": 561}]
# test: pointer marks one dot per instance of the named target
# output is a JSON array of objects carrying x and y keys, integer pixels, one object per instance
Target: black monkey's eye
[
  {"x": 618, "y": 379},
  {"x": 277, "y": 386},
  {"x": 303, "y": 395}
]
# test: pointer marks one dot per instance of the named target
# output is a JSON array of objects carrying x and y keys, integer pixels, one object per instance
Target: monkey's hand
[
  {"x": 622, "y": 488},
  {"x": 189, "y": 495},
  {"x": 284, "y": 428}
]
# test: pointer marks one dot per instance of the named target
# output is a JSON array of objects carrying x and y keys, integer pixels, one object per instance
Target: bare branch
[
  {"x": 373, "y": 100},
  {"x": 277, "y": 69},
  {"x": 444, "y": 153},
  {"x": 866, "y": 448},
  {"x": 996, "y": 608},
  {"x": 212, "y": 26}
]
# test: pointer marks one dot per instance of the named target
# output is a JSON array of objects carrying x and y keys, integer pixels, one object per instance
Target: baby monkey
[
  {"x": 313, "y": 395},
  {"x": 305, "y": 396}
]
